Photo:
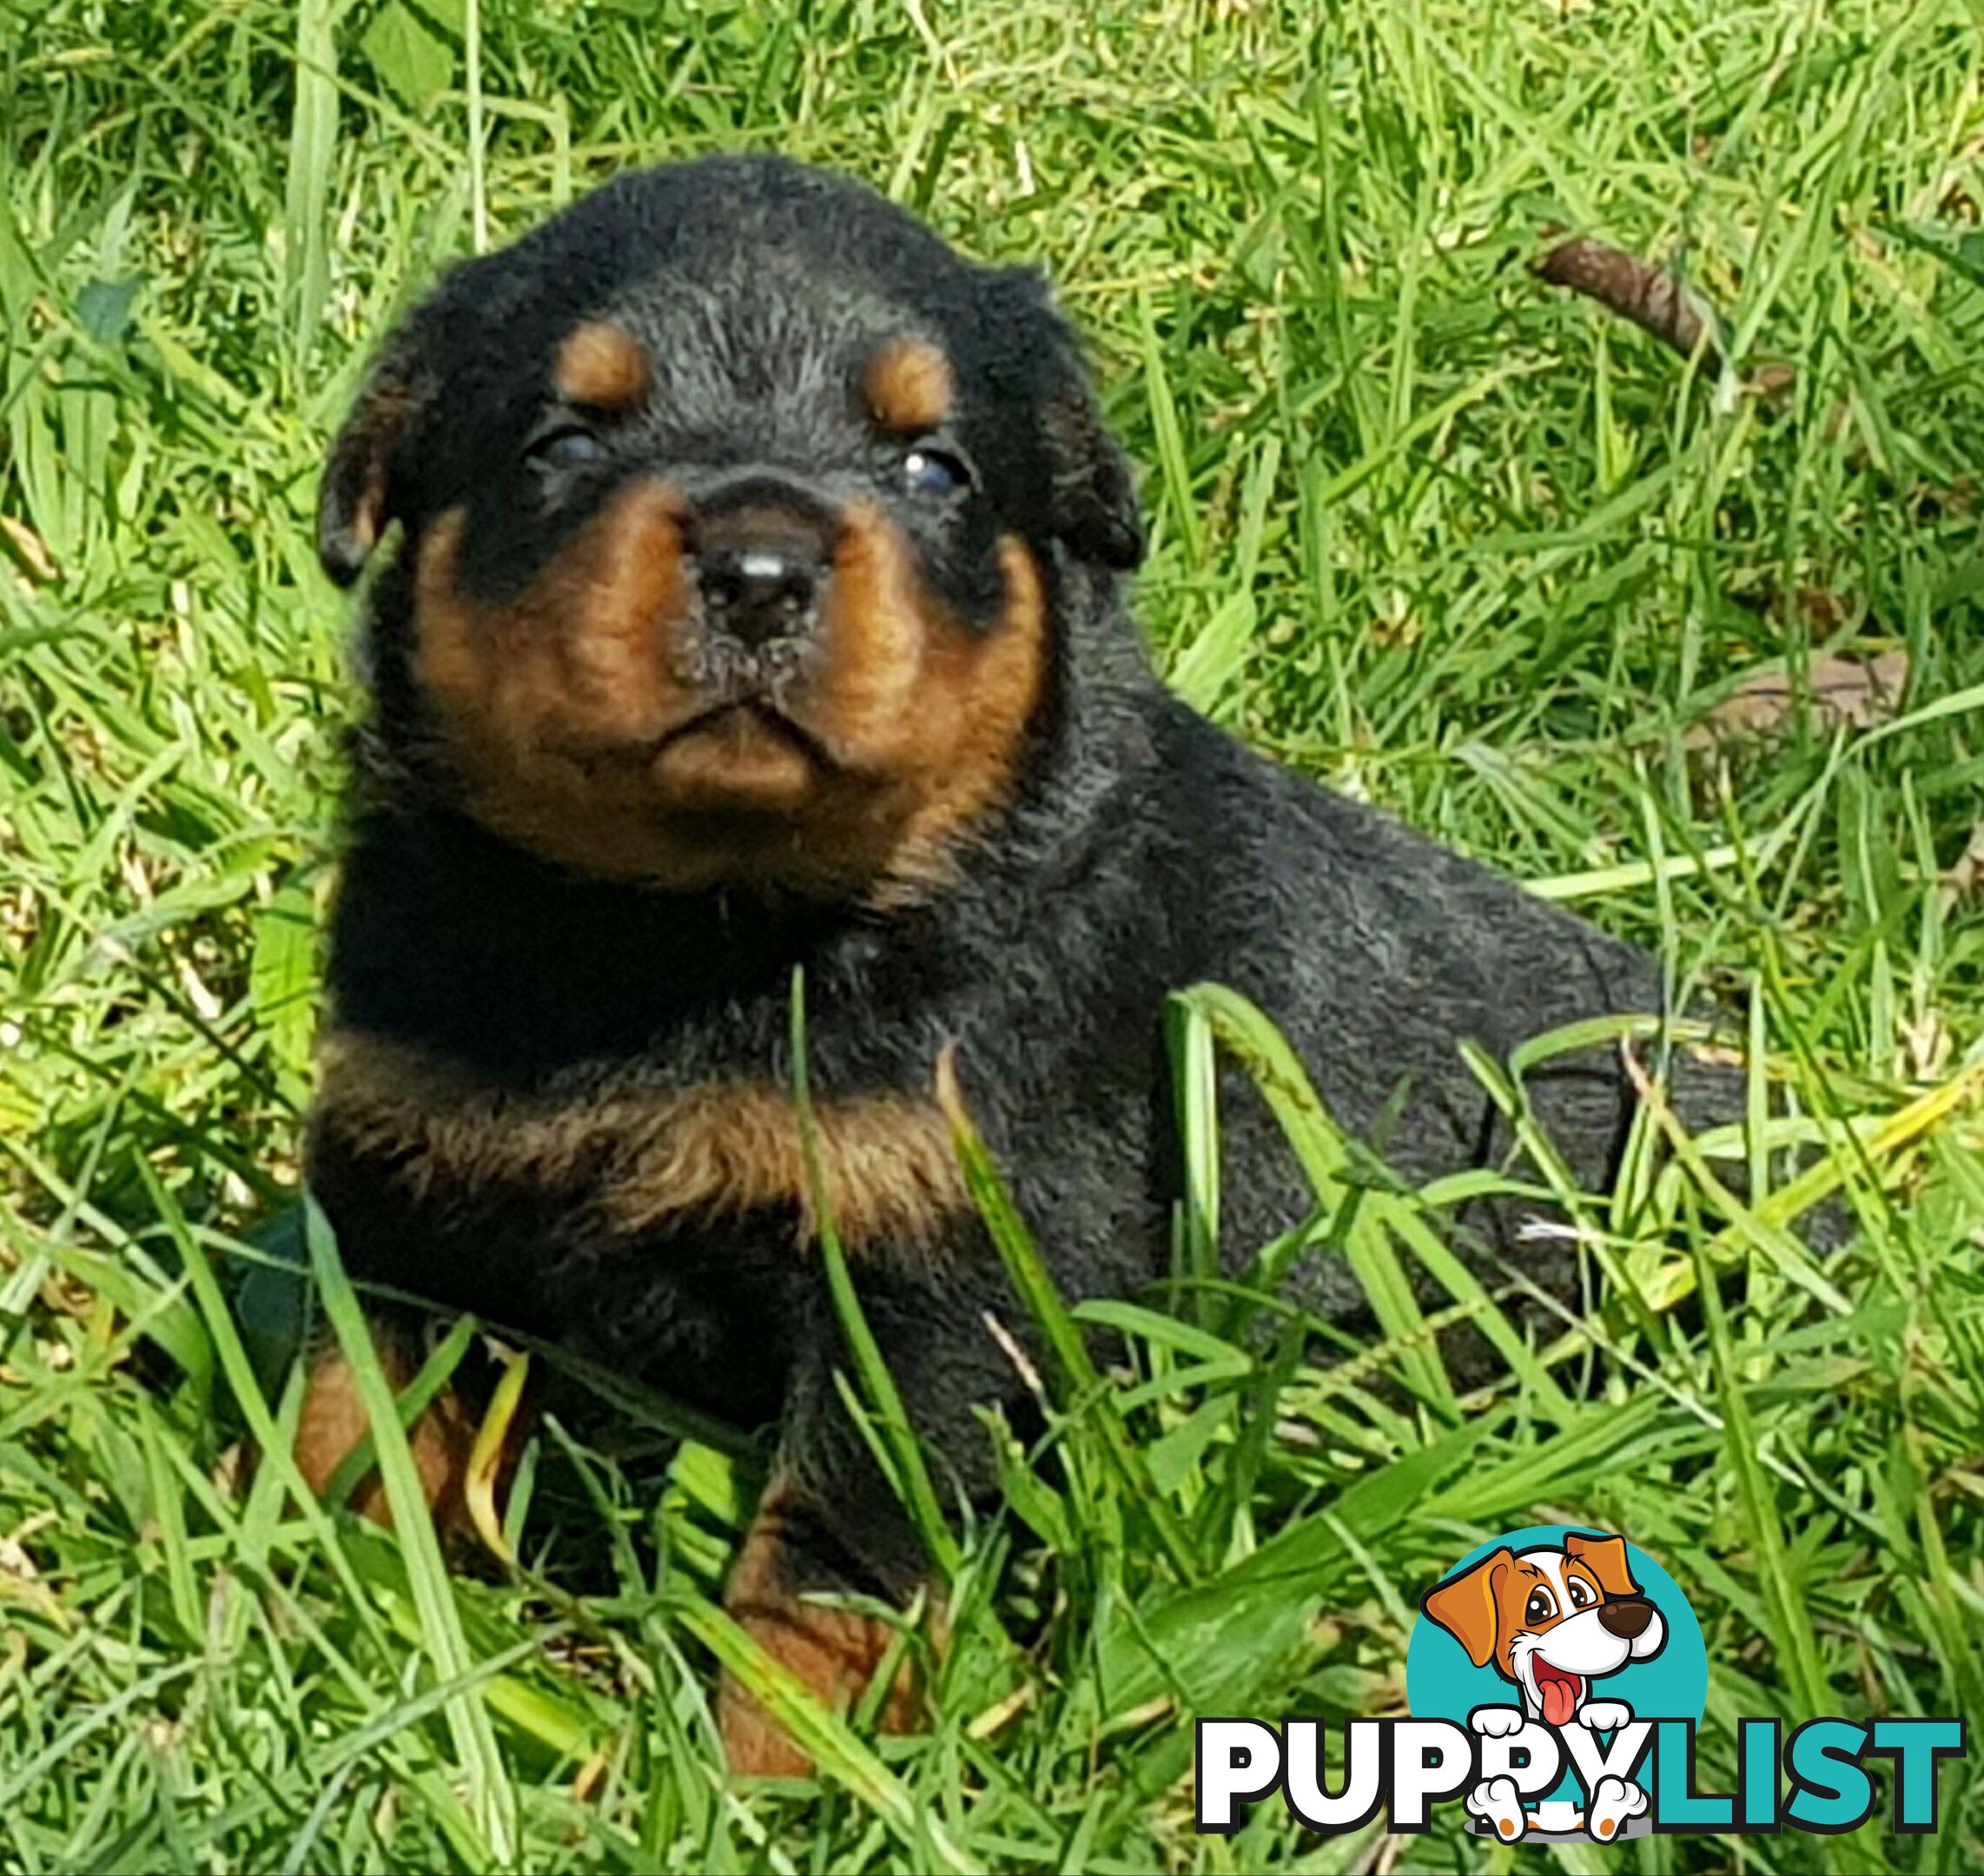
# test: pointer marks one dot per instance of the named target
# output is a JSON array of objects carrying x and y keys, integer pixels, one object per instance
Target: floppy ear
[
  {"x": 1606, "y": 1557},
  {"x": 356, "y": 499},
  {"x": 1091, "y": 495},
  {"x": 1094, "y": 493},
  {"x": 1464, "y": 1606}
]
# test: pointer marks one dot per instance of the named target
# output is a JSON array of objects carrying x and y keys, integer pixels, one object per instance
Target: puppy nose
[
  {"x": 757, "y": 594},
  {"x": 1626, "y": 1616},
  {"x": 758, "y": 570}
]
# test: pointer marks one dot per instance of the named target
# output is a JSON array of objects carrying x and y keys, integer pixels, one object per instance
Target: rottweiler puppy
[{"x": 758, "y": 600}]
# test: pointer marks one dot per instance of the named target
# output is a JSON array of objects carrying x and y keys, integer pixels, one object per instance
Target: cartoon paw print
[
  {"x": 1615, "y": 1801},
  {"x": 1498, "y": 1802}
]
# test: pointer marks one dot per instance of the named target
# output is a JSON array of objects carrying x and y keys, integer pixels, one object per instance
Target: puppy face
[
  {"x": 1551, "y": 1621},
  {"x": 733, "y": 506}
]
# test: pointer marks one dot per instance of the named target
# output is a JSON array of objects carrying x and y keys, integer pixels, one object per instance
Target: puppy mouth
[
  {"x": 739, "y": 723},
  {"x": 1557, "y": 1692},
  {"x": 741, "y": 720},
  {"x": 741, "y": 756}
]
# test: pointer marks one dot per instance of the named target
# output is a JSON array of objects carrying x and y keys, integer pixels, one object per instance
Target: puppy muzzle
[{"x": 758, "y": 550}]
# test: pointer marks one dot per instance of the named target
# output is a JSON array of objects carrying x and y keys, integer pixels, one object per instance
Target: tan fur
[
  {"x": 603, "y": 367},
  {"x": 576, "y": 738},
  {"x": 908, "y": 385},
  {"x": 834, "y": 1652},
  {"x": 939, "y": 707},
  {"x": 540, "y": 699},
  {"x": 648, "y": 1156},
  {"x": 333, "y": 1422}
]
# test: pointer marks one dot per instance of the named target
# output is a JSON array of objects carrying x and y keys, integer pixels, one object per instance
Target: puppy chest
[{"x": 627, "y": 1159}]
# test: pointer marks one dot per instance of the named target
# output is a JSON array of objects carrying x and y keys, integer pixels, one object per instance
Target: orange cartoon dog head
[{"x": 1550, "y": 1619}]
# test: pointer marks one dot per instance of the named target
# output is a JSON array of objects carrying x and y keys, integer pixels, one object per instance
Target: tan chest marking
[{"x": 645, "y": 1158}]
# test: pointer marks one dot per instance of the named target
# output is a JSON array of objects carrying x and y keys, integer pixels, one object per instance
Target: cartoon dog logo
[{"x": 1551, "y": 1620}]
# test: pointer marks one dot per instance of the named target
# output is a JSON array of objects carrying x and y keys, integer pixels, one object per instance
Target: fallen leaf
[
  {"x": 1654, "y": 298},
  {"x": 1968, "y": 874},
  {"x": 1925, "y": 1047},
  {"x": 30, "y": 550},
  {"x": 488, "y": 1457},
  {"x": 1839, "y": 691}
]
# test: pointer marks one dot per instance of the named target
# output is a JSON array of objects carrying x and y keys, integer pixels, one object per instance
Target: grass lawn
[{"x": 1454, "y": 539}]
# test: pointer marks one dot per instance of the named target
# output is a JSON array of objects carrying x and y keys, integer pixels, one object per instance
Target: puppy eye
[
  {"x": 1540, "y": 1607},
  {"x": 933, "y": 474},
  {"x": 1581, "y": 1596},
  {"x": 567, "y": 447}
]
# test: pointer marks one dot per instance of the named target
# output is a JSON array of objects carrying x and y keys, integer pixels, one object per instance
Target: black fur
[{"x": 1144, "y": 851}]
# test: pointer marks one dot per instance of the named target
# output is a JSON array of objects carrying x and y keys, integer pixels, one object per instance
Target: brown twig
[{"x": 1652, "y": 298}]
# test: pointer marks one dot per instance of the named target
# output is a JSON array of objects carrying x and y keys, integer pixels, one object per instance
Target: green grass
[{"x": 1453, "y": 540}]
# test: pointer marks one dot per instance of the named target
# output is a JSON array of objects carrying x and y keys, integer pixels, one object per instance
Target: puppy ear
[
  {"x": 1464, "y": 1606},
  {"x": 1091, "y": 494},
  {"x": 1095, "y": 492},
  {"x": 1606, "y": 1557},
  {"x": 356, "y": 499}
]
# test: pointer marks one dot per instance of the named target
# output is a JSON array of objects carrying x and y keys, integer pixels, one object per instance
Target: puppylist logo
[{"x": 1556, "y": 1678}]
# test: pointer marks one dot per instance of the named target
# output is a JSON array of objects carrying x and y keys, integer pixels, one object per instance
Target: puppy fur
[{"x": 593, "y": 828}]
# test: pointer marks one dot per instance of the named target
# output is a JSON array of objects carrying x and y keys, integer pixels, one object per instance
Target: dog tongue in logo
[{"x": 1559, "y": 1693}]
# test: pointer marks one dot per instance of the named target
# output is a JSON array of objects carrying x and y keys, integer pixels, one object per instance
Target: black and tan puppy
[{"x": 758, "y": 600}]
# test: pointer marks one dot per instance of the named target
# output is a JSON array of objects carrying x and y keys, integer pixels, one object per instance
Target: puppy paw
[
  {"x": 1604, "y": 1715},
  {"x": 333, "y": 1422},
  {"x": 1497, "y": 1723},
  {"x": 1497, "y": 1802},
  {"x": 835, "y": 1653},
  {"x": 1614, "y": 1802}
]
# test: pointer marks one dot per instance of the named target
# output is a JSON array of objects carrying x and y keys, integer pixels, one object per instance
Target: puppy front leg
[
  {"x": 790, "y": 1555},
  {"x": 831, "y": 1523},
  {"x": 332, "y": 1423}
]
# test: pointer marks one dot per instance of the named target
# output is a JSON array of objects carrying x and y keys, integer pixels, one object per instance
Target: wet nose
[
  {"x": 1626, "y": 1616},
  {"x": 757, "y": 594},
  {"x": 758, "y": 573}
]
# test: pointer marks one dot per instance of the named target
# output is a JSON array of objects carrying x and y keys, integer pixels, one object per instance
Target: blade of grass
[
  {"x": 313, "y": 148},
  {"x": 492, "y": 1802},
  {"x": 825, "y": 1739},
  {"x": 1790, "y": 1620},
  {"x": 1043, "y": 1301},
  {"x": 892, "y": 1419}
]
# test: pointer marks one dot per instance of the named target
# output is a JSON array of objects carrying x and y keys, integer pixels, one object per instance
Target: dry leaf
[
  {"x": 1925, "y": 1047},
  {"x": 1652, "y": 298},
  {"x": 1655, "y": 299},
  {"x": 486, "y": 1459},
  {"x": 1838, "y": 690},
  {"x": 30, "y": 550},
  {"x": 1968, "y": 874}
]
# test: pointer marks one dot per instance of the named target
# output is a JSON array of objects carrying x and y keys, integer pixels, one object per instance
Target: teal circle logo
[{"x": 1565, "y": 1627}]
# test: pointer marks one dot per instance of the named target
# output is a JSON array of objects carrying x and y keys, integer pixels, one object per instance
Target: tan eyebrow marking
[
  {"x": 908, "y": 385},
  {"x": 601, "y": 365}
]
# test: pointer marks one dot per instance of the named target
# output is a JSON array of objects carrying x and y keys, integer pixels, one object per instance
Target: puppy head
[
  {"x": 1551, "y": 1620},
  {"x": 734, "y": 507}
]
